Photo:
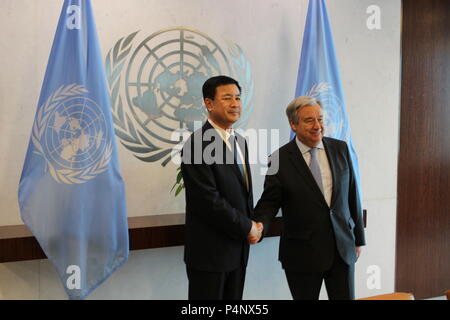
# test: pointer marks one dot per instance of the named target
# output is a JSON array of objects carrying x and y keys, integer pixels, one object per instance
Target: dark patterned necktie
[{"x": 237, "y": 160}]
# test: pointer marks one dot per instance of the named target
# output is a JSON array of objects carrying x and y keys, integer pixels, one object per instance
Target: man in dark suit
[
  {"x": 314, "y": 185},
  {"x": 219, "y": 200}
]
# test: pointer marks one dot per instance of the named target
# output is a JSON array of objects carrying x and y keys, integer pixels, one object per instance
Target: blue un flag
[
  {"x": 71, "y": 193},
  {"x": 318, "y": 76}
]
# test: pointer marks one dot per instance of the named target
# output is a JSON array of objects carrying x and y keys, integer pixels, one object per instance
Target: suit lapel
[{"x": 332, "y": 161}]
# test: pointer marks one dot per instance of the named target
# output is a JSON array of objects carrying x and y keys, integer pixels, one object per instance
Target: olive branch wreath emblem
[
  {"x": 67, "y": 176},
  {"x": 130, "y": 137}
]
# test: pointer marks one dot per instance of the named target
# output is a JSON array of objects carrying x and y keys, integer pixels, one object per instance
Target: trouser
[
  {"x": 205, "y": 285},
  {"x": 339, "y": 282}
]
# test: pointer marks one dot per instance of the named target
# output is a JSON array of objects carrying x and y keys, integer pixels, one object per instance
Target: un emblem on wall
[
  {"x": 71, "y": 133},
  {"x": 156, "y": 88}
]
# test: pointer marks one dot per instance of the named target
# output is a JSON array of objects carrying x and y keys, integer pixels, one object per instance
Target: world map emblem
[
  {"x": 71, "y": 133},
  {"x": 335, "y": 121},
  {"x": 156, "y": 87}
]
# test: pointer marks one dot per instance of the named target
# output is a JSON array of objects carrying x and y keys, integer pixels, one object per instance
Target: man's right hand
[{"x": 255, "y": 233}]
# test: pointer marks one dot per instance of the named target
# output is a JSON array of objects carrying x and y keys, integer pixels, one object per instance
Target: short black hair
[{"x": 210, "y": 85}]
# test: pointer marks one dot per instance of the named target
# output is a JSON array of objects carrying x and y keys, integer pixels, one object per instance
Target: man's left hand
[{"x": 358, "y": 251}]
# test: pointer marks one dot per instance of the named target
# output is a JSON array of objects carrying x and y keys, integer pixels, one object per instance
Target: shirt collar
[
  {"x": 225, "y": 134},
  {"x": 304, "y": 148}
]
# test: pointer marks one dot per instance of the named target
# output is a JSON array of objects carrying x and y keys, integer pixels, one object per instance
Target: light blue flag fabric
[
  {"x": 71, "y": 193},
  {"x": 318, "y": 76}
]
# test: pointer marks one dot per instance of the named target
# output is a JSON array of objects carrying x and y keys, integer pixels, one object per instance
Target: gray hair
[{"x": 296, "y": 104}]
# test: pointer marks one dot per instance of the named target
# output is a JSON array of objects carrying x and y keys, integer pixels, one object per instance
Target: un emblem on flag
[
  {"x": 334, "y": 114},
  {"x": 71, "y": 133},
  {"x": 162, "y": 81}
]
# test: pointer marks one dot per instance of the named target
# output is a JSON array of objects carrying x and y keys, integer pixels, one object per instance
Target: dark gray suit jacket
[{"x": 311, "y": 229}]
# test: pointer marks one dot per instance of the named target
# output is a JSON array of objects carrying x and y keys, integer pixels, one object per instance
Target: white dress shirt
[{"x": 325, "y": 170}]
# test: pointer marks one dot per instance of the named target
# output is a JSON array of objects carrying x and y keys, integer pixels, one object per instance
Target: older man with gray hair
[{"x": 315, "y": 188}]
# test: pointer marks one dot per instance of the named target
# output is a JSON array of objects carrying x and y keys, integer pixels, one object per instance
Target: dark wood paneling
[
  {"x": 27, "y": 248},
  {"x": 18, "y": 249},
  {"x": 423, "y": 208}
]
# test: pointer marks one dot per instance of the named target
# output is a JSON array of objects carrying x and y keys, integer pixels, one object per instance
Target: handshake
[{"x": 255, "y": 233}]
